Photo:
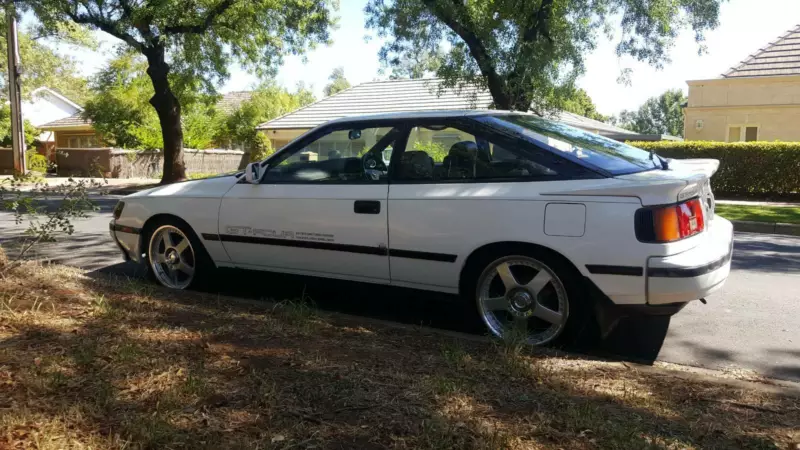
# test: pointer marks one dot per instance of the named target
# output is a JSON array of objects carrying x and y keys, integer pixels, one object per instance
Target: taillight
[{"x": 670, "y": 223}]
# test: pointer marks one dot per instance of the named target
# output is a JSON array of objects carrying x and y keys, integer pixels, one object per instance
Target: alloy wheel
[
  {"x": 172, "y": 257},
  {"x": 519, "y": 296}
]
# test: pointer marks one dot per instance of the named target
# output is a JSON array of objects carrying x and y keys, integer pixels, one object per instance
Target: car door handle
[{"x": 367, "y": 207}]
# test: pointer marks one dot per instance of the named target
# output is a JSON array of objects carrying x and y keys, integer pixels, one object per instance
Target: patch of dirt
[{"x": 109, "y": 363}]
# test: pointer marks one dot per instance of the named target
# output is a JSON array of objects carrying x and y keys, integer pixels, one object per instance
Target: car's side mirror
[{"x": 252, "y": 173}]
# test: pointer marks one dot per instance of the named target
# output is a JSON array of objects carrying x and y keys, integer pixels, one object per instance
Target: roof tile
[
  {"x": 781, "y": 57},
  {"x": 380, "y": 97},
  {"x": 74, "y": 120}
]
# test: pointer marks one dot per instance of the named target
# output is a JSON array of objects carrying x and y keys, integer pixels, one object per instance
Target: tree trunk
[{"x": 169, "y": 114}]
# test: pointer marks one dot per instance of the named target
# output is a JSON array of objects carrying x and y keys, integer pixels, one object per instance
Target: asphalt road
[{"x": 753, "y": 323}]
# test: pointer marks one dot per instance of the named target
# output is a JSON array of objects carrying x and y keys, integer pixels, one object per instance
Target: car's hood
[
  {"x": 684, "y": 179},
  {"x": 213, "y": 187}
]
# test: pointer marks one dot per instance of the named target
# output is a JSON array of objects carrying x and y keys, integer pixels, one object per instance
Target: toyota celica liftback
[{"x": 539, "y": 225}]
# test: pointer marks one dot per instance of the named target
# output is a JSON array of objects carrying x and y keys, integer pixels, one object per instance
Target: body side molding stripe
[{"x": 350, "y": 248}]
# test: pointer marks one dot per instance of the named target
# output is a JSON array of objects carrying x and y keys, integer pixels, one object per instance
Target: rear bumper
[{"x": 695, "y": 273}]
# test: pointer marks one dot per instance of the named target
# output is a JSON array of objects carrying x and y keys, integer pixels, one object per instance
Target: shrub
[
  {"x": 36, "y": 162},
  {"x": 262, "y": 148},
  {"x": 746, "y": 168}
]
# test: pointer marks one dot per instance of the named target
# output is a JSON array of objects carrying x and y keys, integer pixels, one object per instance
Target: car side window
[
  {"x": 339, "y": 157},
  {"x": 441, "y": 153}
]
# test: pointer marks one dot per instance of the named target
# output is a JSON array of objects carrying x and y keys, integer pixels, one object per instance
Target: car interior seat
[{"x": 416, "y": 165}]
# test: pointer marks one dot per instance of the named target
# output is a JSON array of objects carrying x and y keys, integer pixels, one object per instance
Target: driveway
[{"x": 752, "y": 324}]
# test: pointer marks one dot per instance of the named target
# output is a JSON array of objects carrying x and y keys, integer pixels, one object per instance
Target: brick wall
[
  {"x": 6, "y": 161},
  {"x": 118, "y": 163}
]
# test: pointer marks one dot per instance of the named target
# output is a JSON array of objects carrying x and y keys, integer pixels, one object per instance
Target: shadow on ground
[
  {"x": 766, "y": 253},
  {"x": 638, "y": 340},
  {"x": 125, "y": 364}
]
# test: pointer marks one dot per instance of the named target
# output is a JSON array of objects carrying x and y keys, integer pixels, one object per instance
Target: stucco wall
[
  {"x": 774, "y": 124},
  {"x": 770, "y": 103},
  {"x": 117, "y": 163}
]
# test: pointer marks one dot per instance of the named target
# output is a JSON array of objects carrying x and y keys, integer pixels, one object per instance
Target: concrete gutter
[{"x": 788, "y": 229}]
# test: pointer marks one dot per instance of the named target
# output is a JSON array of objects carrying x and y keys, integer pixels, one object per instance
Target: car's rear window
[{"x": 578, "y": 145}]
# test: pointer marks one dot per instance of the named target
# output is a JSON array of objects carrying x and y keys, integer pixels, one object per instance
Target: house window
[
  {"x": 87, "y": 141},
  {"x": 742, "y": 133},
  {"x": 750, "y": 134},
  {"x": 734, "y": 134}
]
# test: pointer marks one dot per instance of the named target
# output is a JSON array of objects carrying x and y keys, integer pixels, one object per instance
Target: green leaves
[
  {"x": 31, "y": 132},
  {"x": 45, "y": 67},
  {"x": 746, "y": 168},
  {"x": 580, "y": 103},
  {"x": 268, "y": 101},
  {"x": 658, "y": 115},
  {"x": 188, "y": 45},
  {"x": 528, "y": 53},
  {"x": 338, "y": 82}
]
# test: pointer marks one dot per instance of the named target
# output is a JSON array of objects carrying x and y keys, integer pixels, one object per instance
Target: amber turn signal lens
[
  {"x": 665, "y": 222},
  {"x": 670, "y": 223}
]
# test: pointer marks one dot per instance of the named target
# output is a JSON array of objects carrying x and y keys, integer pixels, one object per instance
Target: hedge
[{"x": 755, "y": 169}]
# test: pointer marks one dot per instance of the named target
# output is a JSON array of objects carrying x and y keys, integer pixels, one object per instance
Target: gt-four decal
[{"x": 279, "y": 234}]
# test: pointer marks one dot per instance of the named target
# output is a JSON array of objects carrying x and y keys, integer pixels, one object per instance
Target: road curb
[{"x": 787, "y": 229}]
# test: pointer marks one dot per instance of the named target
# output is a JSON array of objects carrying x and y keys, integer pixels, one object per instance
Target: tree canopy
[
  {"x": 31, "y": 132},
  {"x": 528, "y": 53},
  {"x": 120, "y": 110},
  {"x": 658, "y": 115},
  {"x": 43, "y": 66},
  {"x": 267, "y": 102},
  {"x": 417, "y": 65},
  {"x": 189, "y": 44},
  {"x": 338, "y": 82},
  {"x": 580, "y": 103}
]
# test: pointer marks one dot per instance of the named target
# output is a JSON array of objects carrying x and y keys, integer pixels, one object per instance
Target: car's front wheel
[
  {"x": 523, "y": 298},
  {"x": 174, "y": 256}
]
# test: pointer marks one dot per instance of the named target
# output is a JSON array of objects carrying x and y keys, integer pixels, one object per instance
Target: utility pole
[{"x": 14, "y": 96}]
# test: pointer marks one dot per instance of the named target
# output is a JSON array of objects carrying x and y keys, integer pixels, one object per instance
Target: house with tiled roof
[
  {"x": 74, "y": 131},
  {"x": 758, "y": 99},
  {"x": 424, "y": 94},
  {"x": 231, "y": 101}
]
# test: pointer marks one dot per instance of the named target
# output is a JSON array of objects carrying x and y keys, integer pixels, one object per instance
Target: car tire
[
  {"x": 543, "y": 287},
  {"x": 174, "y": 256}
]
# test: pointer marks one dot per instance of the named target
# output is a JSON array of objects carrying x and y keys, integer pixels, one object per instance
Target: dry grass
[{"x": 110, "y": 363}]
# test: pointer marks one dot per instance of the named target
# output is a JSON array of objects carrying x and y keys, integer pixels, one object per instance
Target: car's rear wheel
[
  {"x": 529, "y": 298},
  {"x": 176, "y": 259}
]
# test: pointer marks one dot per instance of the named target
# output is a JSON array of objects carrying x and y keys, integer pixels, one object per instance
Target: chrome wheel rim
[
  {"x": 172, "y": 257},
  {"x": 519, "y": 296}
]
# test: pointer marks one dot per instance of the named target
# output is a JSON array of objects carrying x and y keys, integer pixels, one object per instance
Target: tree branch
[
  {"x": 541, "y": 23},
  {"x": 104, "y": 25},
  {"x": 205, "y": 23},
  {"x": 476, "y": 47}
]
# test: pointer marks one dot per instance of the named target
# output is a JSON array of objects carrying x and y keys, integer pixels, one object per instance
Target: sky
[{"x": 745, "y": 26}]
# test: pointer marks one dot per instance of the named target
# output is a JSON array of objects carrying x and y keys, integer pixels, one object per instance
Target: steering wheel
[{"x": 373, "y": 165}]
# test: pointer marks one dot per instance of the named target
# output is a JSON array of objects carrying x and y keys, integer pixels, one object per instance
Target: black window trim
[
  {"x": 469, "y": 124},
  {"x": 325, "y": 130},
  {"x": 604, "y": 172}
]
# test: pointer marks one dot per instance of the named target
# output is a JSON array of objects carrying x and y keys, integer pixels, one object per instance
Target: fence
[{"x": 119, "y": 163}]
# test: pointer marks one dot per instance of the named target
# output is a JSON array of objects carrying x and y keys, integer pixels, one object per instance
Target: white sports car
[{"x": 540, "y": 225}]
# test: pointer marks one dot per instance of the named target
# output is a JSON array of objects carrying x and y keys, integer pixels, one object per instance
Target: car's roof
[{"x": 436, "y": 114}]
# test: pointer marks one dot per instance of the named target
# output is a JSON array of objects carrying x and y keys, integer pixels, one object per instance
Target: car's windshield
[{"x": 598, "y": 151}]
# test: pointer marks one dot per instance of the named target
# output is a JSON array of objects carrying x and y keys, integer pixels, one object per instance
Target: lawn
[
  {"x": 771, "y": 214},
  {"x": 106, "y": 363}
]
